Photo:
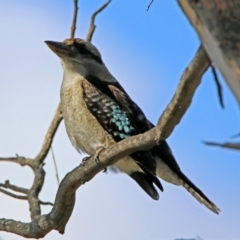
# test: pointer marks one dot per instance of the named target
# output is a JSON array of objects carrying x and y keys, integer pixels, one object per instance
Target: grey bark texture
[{"x": 217, "y": 23}]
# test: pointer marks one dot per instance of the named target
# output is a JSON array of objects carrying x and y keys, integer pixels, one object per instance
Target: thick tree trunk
[{"x": 218, "y": 25}]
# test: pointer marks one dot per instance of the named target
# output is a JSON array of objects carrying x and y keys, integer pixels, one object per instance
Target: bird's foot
[
  {"x": 85, "y": 159},
  {"x": 97, "y": 153},
  {"x": 104, "y": 170}
]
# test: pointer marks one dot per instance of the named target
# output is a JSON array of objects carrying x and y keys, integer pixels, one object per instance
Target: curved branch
[
  {"x": 92, "y": 26},
  {"x": 34, "y": 202},
  {"x": 49, "y": 136},
  {"x": 182, "y": 99}
]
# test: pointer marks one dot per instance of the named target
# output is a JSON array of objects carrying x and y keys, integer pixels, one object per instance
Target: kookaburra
[{"x": 98, "y": 112}]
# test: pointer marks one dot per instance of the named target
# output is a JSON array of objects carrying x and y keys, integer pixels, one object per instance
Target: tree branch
[
  {"x": 74, "y": 21},
  {"x": 182, "y": 99},
  {"x": 22, "y": 197},
  {"x": 20, "y": 160},
  {"x": 7, "y": 185},
  {"x": 150, "y": 4},
  {"x": 37, "y": 166},
  {"x": 219, "y": 87},
  {"x": 13, "y": 195},
  {"x": 49, "y": 136},
  {"x": 55, "y": 166},
  {"x": 92, "y": 26},
  {"x": 34, "y": 203},
  {"x": 229, "y": 145},
  {"x": 217, "y": 24}
]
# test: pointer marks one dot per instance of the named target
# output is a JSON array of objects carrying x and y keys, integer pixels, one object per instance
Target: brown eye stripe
[
  {"x": 83, "y": 50},
  {"x": 78, "y": 43}
]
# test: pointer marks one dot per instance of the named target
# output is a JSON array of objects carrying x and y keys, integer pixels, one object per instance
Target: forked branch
[{"x": 92, "y": 26}]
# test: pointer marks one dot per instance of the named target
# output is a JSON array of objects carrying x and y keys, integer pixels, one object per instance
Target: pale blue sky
[{"x": 147, "y": 52}]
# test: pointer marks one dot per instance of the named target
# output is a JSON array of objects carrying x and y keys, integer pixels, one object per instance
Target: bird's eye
[
  {"x": 72, "y": 47},
  {"x": 83, "y": 50}
]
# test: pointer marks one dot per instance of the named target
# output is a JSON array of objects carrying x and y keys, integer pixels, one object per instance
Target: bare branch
[
  {"x": 55, "y": 165},
  {"x": 229, "y": 145},
  {"x": 219, "y": 87},
  {"x": 221, "y": 41},
  {"x": 46, "y": 203},
  {"x": 34, "y": 203},
  {"x": 37, "y": 165},
  {"x": 20, "y": 160},
  {"x": 149, "y": 5},
  {"x": 74, "y": 21},
  {"x": 13, "y": 195},
  {"x": 49, "y": 136},
  {"x": 92, "y": 26},
  {"x": 182, "y": 99},
  {"x": 7, "y": 185},
  {"x": 22, "y": 197}
]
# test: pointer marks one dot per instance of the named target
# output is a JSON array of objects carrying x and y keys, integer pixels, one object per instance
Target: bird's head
[{"x": 78, "y": 55}]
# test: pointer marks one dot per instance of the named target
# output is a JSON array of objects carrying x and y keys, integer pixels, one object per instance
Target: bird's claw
[
  {"x": 96, "y": 158},
  {"x": 97, "y": 153},
  {"x": 85, "y": 159}
]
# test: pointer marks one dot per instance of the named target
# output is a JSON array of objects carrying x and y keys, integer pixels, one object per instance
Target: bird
[{"x": 98, "y": 112}]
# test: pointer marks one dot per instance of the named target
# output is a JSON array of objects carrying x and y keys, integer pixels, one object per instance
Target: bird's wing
[{"x": 120, "y": 117}]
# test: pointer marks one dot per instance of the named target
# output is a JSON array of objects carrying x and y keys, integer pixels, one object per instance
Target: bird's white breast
[{"x": 84, "y": 131}]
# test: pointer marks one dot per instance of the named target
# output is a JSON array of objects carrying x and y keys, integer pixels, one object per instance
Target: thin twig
[
  {"x": 22, "y": 197},
  {"x": 7, "y": 185},
  {"x": 149, "y": 5},
  {"x": 46, "y": 203},
  {"x": 55, "y": 165},
  {"x": 229, "y": 145},
  {"x": 37, "y": 165},
  {"x": 236, "y": 135},
  {"x": 92, "y": 26},
  {"x": 219, "y": 87},
  {"x": 20, "y": 160},
  {"x": 199, "y": 238},
  {"x": 74, "y": 21},
  {"x": 50, "y": 135}
]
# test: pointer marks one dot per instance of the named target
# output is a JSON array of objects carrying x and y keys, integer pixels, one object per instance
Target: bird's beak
[{"x": 60, "y": 49}]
